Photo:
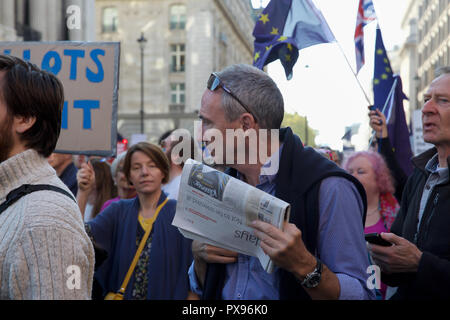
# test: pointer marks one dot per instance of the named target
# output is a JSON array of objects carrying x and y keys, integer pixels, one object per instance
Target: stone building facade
[
  {"x": 426, "y": 24},
  {"x": 407, "y": 58},
  {"x": 433, "y": 46},
  {"x": 46, "y": 20},
  {"x": 186, "y": 40}
]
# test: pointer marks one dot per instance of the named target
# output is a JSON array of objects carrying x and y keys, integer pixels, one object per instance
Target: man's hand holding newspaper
[
  {"x": 205, "y": 253},
  {"x": 217, "y": 211},
  {"x": 285, "y": 247}
]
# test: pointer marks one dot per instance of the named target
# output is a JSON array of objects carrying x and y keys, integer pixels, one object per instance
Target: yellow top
[{"x": 146, "y": 223}]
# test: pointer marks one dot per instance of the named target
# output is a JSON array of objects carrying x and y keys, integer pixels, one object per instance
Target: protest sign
[{"x": 89, "y": 72}]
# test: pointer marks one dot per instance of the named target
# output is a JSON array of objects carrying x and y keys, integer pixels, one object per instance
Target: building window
[
  {"x": 177, "y": 54},
  {"x": 110, "y": 19},
  {"x": 177, "y": 93},
  {"x": 177, "y": 16}
]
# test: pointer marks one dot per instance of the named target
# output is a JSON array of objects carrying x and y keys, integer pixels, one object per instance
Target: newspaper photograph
[{"x": 217, "y": 209}]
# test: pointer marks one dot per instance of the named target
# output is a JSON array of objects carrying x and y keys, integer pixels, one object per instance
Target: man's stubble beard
[{"x": 6, "y": 140}]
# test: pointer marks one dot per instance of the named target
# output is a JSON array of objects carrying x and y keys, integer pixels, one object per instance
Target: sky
[{"x": 324, "y": 87}]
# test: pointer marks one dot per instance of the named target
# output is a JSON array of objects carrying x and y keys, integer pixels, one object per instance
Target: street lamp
[{"x": 142, "y": 41}]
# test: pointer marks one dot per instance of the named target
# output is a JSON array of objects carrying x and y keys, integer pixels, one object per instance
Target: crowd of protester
[{"x": 114, "y": 221}]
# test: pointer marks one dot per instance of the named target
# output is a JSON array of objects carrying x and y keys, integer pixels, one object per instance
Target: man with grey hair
[
  {"x": 418, "y": 262},
  {"x": 320, "y": 253}
]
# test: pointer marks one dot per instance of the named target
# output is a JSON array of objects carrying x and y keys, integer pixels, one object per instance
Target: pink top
[
  {"x": 378, "y": 228},
  {"x": 108, "y": 202}
]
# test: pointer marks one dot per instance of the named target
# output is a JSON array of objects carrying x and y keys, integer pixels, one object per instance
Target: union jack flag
[{"x": 366, "y": 14}]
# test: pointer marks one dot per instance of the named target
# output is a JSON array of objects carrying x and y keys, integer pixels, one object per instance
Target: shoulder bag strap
[
  {"x": 25, "y": 189},
  {"x": 140, "y": 248}
]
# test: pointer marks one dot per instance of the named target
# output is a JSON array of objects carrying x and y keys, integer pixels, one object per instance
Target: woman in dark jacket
[{"x": 162, "y": 268}]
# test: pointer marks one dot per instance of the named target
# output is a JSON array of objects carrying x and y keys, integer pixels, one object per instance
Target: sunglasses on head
[{"x": 214, "y": 82}]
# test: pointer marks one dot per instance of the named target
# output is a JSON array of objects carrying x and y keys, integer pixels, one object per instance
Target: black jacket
[
  {"x": 400, "y": 177},
  {"x": 298, "y": 181},
  {"x": 432, "y": 279},
  {"x": 69, "y": 177}
]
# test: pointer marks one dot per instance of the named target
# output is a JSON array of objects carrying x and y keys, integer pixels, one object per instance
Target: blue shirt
[
  {"x": 246, "y": 279},
  {"x": 341, "y": 247},
  {"x": 437, "y": 176}
]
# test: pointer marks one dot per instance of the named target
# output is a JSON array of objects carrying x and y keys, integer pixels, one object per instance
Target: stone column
[
  {"x": 7, "y": 13},
  {"x": 89, "y": 22},
  {"x": 87, "y": 30},
  {"x": 76, "y": 34},
  {"x": 38, "y": 17},
  {"x": 55, "y": 20},
  {"x": 20, "y": 9},
  {"x": 7, "y": 20}
]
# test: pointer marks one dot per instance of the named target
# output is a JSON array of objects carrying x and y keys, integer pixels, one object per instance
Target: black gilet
[{"x": 298, "y": 180}]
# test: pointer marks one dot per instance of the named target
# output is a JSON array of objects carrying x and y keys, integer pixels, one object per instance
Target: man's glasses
[{"x": 214, "y": 82}]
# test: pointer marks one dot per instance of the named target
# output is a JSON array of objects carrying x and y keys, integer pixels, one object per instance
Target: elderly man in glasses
[{"x": 321, "y": 252}]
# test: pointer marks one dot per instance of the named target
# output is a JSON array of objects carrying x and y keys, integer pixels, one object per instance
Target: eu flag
[
  {"x": 388, "y": 97},
  {"x": 283, "y": 28}
]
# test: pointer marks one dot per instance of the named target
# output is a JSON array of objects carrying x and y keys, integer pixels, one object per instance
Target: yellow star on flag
[
  {"x": 386, "y": 60},
  {"x": 274, "y": 30},
  {"x": 256, "y": 56},
  {"x": 387, "y": 69},
  {"x": 288, "y": 57},
  {"x": 376, "y": 81},
  {"x": 380, "y": 51},
  {"x": 289, "y": 46},
  {"x": 282, "y": 38},
  {"x": 264, "y": 18},
  {"x": 268, "y": 48},
  {"x": 384, "y": 76}
]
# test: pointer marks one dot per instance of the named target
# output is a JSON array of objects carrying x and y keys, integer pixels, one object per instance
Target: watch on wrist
[{"x": 312, "y": 279}]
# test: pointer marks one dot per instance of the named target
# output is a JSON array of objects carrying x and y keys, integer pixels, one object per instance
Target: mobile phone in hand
[{"x": 375, "y": 238}]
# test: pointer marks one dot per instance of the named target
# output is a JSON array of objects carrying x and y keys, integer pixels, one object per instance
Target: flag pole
[
  {"x": 349, "y": 65},
  {"x": 389, "y": 96},
  {"x": 384, "y": 108},
  {"x": 354, "y": 74}
]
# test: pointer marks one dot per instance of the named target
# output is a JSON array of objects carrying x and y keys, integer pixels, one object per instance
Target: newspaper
[{"x": 217, "y": 209}]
